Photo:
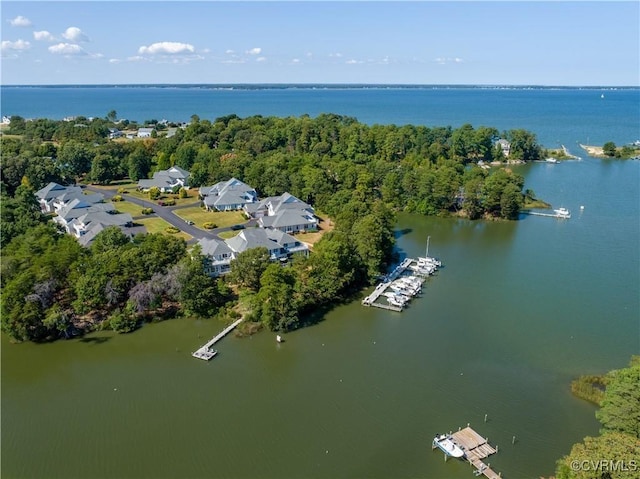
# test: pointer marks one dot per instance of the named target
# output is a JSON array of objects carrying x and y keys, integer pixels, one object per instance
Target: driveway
[{"x": 166, "y": 213}]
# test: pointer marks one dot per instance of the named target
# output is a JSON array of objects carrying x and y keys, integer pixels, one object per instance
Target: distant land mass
[{"x": 325, "y": 86}]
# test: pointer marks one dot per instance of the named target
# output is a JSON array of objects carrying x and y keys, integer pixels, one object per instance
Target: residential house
[
  {"x": 218, "y": 254},
  {"x": 166, "y": 180},
  {"x": 54, "y": 197},
  {"x": 505, "y": 146},
  {"x": 83, "y": 216},
  {"x": 285, "y": 213},
  {"x": 114, "y": 133},
  {"x": 145, "y": 132},
  {"x": 228, "y": 195}
]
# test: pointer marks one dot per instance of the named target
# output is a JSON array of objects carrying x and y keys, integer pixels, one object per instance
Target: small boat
[
  {"x": 551, "y": 160},
  {"x": 279, "y": 338},
  {"x": 395, "y": 302},
  {"x": 562, "y": 213},
  {"x": 446, "y": 444}
]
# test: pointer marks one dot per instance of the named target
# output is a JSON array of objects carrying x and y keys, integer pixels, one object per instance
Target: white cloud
[
  {"x": 115, "y": 60},
  {"x": 166, "y": 48},
  {"x": 18, "y": 45},
  {"x": 43, "y": 36},
  {"x": 66, "y": 49},
  {"x": 229, "y": 52},
  {"x": 261, "y": 59},
  {"x": 295, "y": 60},
  {"x": 234, "y": 61},
  {"x": 20, "y": 21},
  {"x": 254, "y": 51},
  {"x": 137, "y": 58},
  {"x": 446, "y": 60},
  {"x": 335, "y": 55},
  {"x": 353, "y": 62},
  {"x": 74, "y": 34}
]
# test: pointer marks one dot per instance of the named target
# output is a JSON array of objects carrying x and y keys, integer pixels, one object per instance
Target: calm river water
[{"x": 517, "y": 311}]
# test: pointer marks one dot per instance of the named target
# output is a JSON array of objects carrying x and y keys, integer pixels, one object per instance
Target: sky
[{"x": 547, "y": 43}]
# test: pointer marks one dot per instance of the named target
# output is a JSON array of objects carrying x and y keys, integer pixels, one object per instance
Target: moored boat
[
  {"x": 446, "y": 444},
  {"x": 562, "y": 213}
]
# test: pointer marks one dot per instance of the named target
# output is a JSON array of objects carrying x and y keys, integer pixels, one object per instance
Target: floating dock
[
  {"x": 205, "y": 352},
  {"x": 380, "y": 290},
  {"x": 476, "y": 448}
]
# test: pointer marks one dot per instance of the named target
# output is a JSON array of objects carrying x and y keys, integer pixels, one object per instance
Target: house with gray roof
[
  {"x": 285, "y": 213},
  {"x": 228, "y": 195},
  {"x": 505, "y": 146},
  {"x": 218, "y": 254},
  {"x": 145, "y": 132},
  {"x": 166, "y": 180},
  {"x": 54, "y": 197}
]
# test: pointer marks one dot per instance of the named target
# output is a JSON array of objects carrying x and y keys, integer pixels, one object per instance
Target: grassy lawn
[
  {"x": 126, "y": 207},
  {"x": 324, "y": 226},
  {"x": 200, "y": 216},
  {"x": 158, "y": 225}
]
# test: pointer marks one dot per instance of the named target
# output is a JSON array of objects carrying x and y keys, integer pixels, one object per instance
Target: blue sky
[{"x": 418, "y": 42}]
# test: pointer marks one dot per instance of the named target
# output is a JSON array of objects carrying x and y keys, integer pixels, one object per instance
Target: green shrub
[
  {"x": 169, "y": 202},
  {"x": 147, "y": 211},
  {"x": 209, "y": 226},
  {"x": 122, "y": 190},
  {"x": 182, "y": 193},
  {"x": 154, "y": 193},
  {"x": 172, "y": 230},
  {"x": 123, "y": 321},
  {"x": 117, "y": 198}
]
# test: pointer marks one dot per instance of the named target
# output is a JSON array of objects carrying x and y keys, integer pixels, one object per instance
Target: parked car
[
  {"x": 237, "y": 227},
  {"x": 189, "y": 222}
]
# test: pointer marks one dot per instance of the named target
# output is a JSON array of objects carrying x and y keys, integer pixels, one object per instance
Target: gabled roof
[
  {"x": 50, "y": 191},
  {"x": 104, "y": 218},
  {"x": 252, "y": 238},
  {"x": 214, "y": 247},
  {"x": 77, "y": 208},
  {"x": 287, "y": 218}
]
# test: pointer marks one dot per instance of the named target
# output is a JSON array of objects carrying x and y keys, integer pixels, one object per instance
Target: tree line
[
  {"x": 615, "y": 453},
  {"x": 359, "y": 175}
]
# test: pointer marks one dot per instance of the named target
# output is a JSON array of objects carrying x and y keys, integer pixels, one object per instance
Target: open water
[{"x": 517, "y": 312}]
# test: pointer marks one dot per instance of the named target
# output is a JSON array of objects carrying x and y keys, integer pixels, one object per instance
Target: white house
[
  {"x": 145, "y": 132},
  {"x": 285, "y": 213},
  {"x": 166, "y": 180},
  {"x": 228, "y": 195},
  {"x": 218, "y": 254},
  {"x": 505, "y": 146}
]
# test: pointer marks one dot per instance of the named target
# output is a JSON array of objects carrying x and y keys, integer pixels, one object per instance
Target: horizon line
[{"x": 324, "y": 84}]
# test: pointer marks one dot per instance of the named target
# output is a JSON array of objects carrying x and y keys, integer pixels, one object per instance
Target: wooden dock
[
  {"x": 382, "y": 287},
  {"x": 476, "y": 448},
  {"x": 205, "y": 352}
]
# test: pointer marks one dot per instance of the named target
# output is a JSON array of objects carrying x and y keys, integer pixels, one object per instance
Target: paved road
[{"x": 167, "y": 214}]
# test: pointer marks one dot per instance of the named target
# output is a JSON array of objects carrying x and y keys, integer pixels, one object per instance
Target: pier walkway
[
  {"x": 382, "y": 287},
  {"x": 205, "y": 352},
  {"x": 476, "y": 448}
]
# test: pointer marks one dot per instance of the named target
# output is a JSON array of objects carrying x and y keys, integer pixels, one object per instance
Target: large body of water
[{"x": 519, "y": 310}]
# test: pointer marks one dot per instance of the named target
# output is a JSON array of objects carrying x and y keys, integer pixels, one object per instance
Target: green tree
[
  {"x": 274, "y": 304},
  {"x": 620, "y": 409},
  {"x": 76, "y": 157},
  {"x": 248, "y": 266},
  {"x": 524, "y": 145},
  {"x": 199, "y": 293},
  {"x": 112, "y": 116},
  {"x": 511, "y": 201},
  {"x": 609, "y": 148},
  {"x": 609, "y": 456},
  {"x": 102, "y": 171}
]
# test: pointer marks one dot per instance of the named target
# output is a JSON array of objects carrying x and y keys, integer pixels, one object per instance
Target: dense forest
[
  {"x": 357, "y": 174},
  {"x": 615, "y": 453}
]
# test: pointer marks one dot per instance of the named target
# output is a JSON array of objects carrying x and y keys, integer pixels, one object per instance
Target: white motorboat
[
  {"x": 397, "y": 296},
  {"x": 562, "y": 213},
  {"x": 446, "y": 444},
  {"x": 395, "y": 302}
]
